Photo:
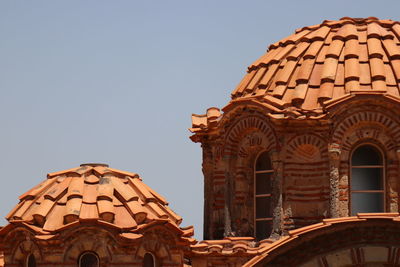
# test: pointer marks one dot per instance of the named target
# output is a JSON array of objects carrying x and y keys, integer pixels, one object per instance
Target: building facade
[
  {"x": 301, "y": 168},
  {"x": 311, "y": 133}
]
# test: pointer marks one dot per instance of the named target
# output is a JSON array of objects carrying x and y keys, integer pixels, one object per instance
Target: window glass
[
  {"x": 31, "y": 261},
  {"x": 366, "y": 155},
  {"x": 263, "y": 162},
  {"x": 263, "y": 229},
  {"x": 367, "y": 180},
  {"x": 263, "y": 175},
  {"x": 263, "y": 207},
  {"x": 148, "y": 260},
  {"x": 366, "y": 202},
  {"x": 263, "y": 183},
  {"x": 89, "y": 259}
]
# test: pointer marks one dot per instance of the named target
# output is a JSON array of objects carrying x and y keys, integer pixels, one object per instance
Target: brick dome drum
[
  {"x": 284, "y": 153},
  {"x": 319, "y": 65}
]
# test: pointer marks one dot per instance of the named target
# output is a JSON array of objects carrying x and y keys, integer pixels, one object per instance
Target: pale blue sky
[{"x": 116, "y": 82}]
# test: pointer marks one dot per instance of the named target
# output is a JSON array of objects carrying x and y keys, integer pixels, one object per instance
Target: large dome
[{"x": 319, "y": 65}]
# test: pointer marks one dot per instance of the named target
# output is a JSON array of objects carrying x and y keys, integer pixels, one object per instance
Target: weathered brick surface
[
  {"x": 65, "y": 249},
  {"x": 313, "y": 182}
]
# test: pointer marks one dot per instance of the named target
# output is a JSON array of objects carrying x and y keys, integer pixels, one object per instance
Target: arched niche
[
  {"x": 305, "y": 180},
  {"x": 101, "y": 244},
  {"x": 149, "y": 260},
  {"x": 30, "y": 261},
  {"x": 88, "y": 259},
  {"x": 20, "y": 242},
  {"x": 157, "y": 242},
  {"x": 248, "y": 135},
  {"x": 367, "y": 127}
]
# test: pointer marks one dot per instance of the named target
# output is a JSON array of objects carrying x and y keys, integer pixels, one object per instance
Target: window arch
[
  {"x": 367, "y": 180},
  {"x": 262, "y": 196},
  {"x": 89, "y": 259},
  {"x": 149, "y": 260},
  {"x": 30, "y": 261}
]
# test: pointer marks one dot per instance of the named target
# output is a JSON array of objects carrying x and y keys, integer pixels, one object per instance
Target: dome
[
  {"x": 321, "y": 65},
  {"x": 92, "y": 193}
]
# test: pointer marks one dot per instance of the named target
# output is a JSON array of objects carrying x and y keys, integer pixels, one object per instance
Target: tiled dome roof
[
  {"x": 92, "y": 192},
  {"x": 320, "y": 64}
]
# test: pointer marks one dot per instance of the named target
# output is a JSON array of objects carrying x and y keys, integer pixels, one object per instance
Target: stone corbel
[{"x": 334, "y": 161}]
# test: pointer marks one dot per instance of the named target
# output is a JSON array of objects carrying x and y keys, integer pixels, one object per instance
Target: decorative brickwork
[
  {"x": 93, "y": 209},
  {"x": 65, "y": 248},
  {"x": 311, "y": 136},
  {"x": 306, "y": 180},
  {"x": 230, "y": 163},
  {"x": 365, "y": 240},
  {"x": 375, "y": 125},
  {"x": 310, "y": 101}
]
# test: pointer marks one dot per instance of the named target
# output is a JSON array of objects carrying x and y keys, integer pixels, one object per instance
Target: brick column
[
  {"x": 277, "y": 223},
  {"x": 228, "y": 197},
  {"x": 334, "y": 162},
  {"x": 207, "y": 168}
]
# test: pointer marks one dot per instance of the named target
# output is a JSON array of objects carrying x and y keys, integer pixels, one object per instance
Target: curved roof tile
[
  {"x": 229, "y": 246},
  {"x": 92, "y": 192},
  {"x": 331, "y": 224},
  {"x": 325, "y": 62},
  {"x": 317, "y": 67}
]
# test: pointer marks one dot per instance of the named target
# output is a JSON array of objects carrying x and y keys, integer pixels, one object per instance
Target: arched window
[
  {"x": 30, "y": 261},
  {"x": 367, "y": 180},
  {"x": 262, "y": 197},
  {"x": 89, "y": 259},
  {"x": 148, "y": 260}
]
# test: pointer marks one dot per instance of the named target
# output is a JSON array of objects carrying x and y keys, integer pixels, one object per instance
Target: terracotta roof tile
[
  {"x": 286, "y": 72},
  {"x": 390, "y": 78},
  {"x": 268, "y": 75},
  {"x": 396, "y": 30},
  {"x": 305, "y": 70},
  {"x": 21, "y": 209},
  {"x": 91, "y": 193},
  {"x": 300, "y": 91},
  {"x": 315, "y": 78},
  {"x": 377, "y": 69},
  {"x": 311, "y": 101},
  {"x": 55, "y": 218},
  {"x": 229, "y": 246},
  {"x": 123, "y": 219},
  {"x": 270, "y": 248},
  {"x": 73, "y": 208},
  {"x": 95, "y": 193},
  {"x": 311, "y": 70},
  {"x": 37, "y": 189},
  {"x": 88, "y": 212},
  {"x": 364, "y": 46},
  {"x": 41, "y": 211}
]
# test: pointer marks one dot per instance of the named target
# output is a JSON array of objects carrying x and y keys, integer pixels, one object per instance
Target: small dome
[
  {"x": 321, "y": 64},
  {"x": 92, "y": 192}
]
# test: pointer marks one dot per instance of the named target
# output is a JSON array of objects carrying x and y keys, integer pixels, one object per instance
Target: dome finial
[{"x": 94, "y": 165}]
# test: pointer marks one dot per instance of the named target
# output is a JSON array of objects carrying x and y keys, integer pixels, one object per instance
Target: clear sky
[{"x": 117, "y": 81}]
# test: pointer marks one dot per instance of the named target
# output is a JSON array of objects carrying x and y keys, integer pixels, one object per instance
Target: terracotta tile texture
[
  {"x": 229, "y": 246},
  {"x": 93, "y": 192},
  {"x": 269, "y": 248},
  {"x": 318, "y": 64}
]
